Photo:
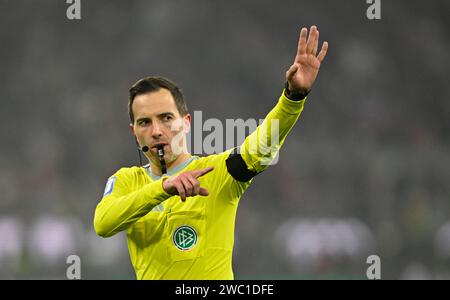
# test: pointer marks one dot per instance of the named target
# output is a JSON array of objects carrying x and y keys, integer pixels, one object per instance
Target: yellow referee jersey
[{"x": 171, "y": 239}]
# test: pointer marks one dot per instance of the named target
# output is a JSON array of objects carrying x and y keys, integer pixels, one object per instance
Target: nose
[{"x": 156, "y": 130}]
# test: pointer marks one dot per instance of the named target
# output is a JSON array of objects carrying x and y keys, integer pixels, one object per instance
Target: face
[{"x": 157, "y": 121}]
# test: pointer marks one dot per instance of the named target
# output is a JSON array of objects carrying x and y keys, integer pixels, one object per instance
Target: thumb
[
  {"x": 203, "y": 192},
  {"x": 291, "y": 72}
]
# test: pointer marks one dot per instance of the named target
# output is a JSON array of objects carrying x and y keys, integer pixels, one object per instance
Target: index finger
[{"x": 201, "y": 172}]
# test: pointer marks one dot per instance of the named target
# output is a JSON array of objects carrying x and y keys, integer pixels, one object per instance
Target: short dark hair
[{"x": 154, "y": 84}]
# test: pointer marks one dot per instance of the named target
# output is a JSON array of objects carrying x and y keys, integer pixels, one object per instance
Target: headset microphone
[{"x": 160, "y": 156}]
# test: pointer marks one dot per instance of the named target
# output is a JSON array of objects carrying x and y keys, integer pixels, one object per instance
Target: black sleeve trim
[
  {"x": 294, "y": 96},
  {"x": 237, "y": 167}
]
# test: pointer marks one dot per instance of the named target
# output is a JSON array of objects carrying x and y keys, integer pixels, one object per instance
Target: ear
[
  {"x": 132, "y": 130},
  {"x": 187, "y": 123}
]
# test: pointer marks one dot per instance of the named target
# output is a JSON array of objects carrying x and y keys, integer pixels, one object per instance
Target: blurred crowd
[{"x": 365, "y": 171}]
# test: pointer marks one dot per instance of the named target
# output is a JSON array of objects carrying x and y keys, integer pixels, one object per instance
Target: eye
[
  {"x": 167, "y": 118},
  {"x": 143, "y": 122}
]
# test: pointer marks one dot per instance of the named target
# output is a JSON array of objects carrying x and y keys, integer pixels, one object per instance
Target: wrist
[{"x": 295, "y": 95}]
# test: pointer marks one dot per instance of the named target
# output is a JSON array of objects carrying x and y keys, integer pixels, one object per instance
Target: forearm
[
  {"x": 260, "y": 148},
  {"x": 117, "y": 212}
]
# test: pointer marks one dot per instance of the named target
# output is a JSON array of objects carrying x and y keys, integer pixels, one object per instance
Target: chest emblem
[{"x": 185, "y": 238}]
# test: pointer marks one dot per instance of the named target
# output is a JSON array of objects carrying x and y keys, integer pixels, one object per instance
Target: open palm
[{"x": 303, "y": 72}]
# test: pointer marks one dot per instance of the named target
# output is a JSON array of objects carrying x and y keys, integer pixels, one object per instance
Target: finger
[
  {"x": 301, "y": 49},
  {"x": 203, "y": 192},
  {"x": 180, "y": 188},
  {"x": 323, "y": 52},
  {"x": 187, "y": 186},
  {"x": 201, "y": 172},
  {"x": 311, "y": 37},
  {"x": 292, "y": 70},
  {"x": 195, "y": 185},
  {"x": 316, "y": 43}
]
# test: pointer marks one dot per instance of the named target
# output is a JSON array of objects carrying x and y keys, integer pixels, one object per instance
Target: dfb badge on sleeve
[{"x": 109, "y": 186}]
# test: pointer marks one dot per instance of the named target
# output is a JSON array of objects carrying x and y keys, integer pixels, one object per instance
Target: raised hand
[
  {"x": 303, "y": 72},
  {"x": 186, "y": 184}
]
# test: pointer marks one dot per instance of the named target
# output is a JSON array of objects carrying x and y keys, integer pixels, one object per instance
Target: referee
[{"x": 179, "y": 210}]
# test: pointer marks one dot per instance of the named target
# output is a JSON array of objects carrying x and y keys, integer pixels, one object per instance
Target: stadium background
[{"x": 365, "y": 171}]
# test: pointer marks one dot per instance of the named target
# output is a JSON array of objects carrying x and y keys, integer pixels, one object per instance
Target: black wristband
[{"x": 295, "y": 96}]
